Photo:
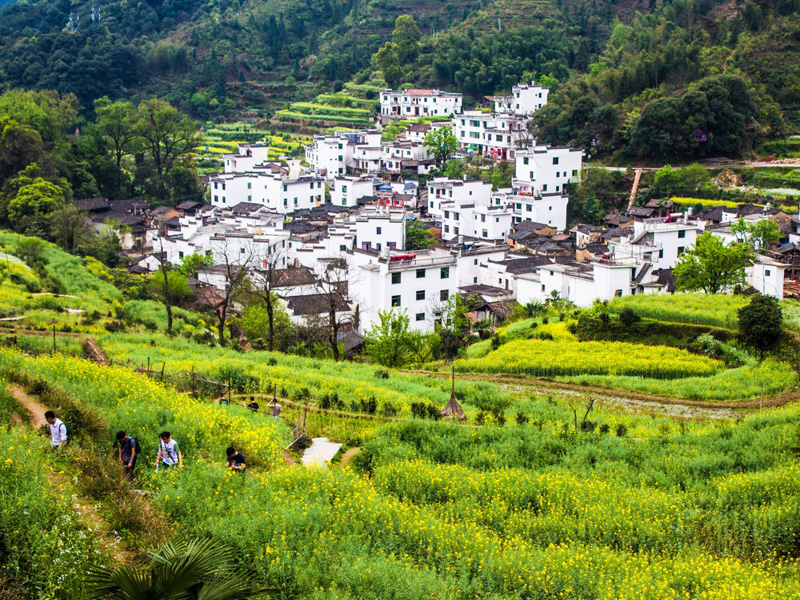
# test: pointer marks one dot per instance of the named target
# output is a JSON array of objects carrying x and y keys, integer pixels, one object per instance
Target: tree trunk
[
  {"x": 169, "y": 318},
  {"x": 222, "y": 316},
  {"x": 334, "y": 338},
  {"x": 271, "y": 323}
]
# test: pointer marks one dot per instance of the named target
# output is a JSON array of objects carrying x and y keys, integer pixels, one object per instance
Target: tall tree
[
  {"x": 406, "y": 37},
  {"x": 758, "y": 235},
  {"x": 170, "y": 286},
  {"x": 333, "y": 286},
  {"x": 266, "y": 277},
  {"x": 388, "y": 342},
  {"x": 711, "y": 266},
  {"x": 115, "y": 123},
  {"x": 441, "y": 142},
  {"x": 168, "y": 135},
  {"x": 68, "y": 226},
  {"x": 20, "y": 146},
  {"x": 234, "y": 262},
  {"x": 388, "y": 62}
]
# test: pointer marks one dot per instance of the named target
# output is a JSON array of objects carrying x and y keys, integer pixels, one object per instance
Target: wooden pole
[
  {"x": 54, "y": 338},
  {"x": 148, "y": 365},
  {"x": 163, "y": 368},
  {"x": 194, "y": 391}
]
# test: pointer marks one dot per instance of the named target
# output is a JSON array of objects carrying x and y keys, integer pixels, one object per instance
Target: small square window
[
  {"x": 445, "y": 273},
  {"x": 767, "y": 272},
  {"x": 420, "y": 273},
  {"x": 378, "y": 231},
  {"x": 444, "y": 295},
  {"x": 395, "y": 301},
  {"x": 420, "y": 294},
  {"x": 680, "y": 250},
  {"x": 396, "y": 278},
  {"x": 555, "y": 160},
  {"x": 420, "y": 317},
  {"x": 682, "y": 233}
]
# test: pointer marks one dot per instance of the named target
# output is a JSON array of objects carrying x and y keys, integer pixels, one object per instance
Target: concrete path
[{"x": 320, "y": 453}]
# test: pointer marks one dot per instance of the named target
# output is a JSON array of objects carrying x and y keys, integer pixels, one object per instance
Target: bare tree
[
  {"x": 169, "y": 285},
  {"x": 333, "y": 286},
  {"x": 265, "y": 281},
  {"x": 69, "y": 225},
  {"x": 234, "y": 260}
]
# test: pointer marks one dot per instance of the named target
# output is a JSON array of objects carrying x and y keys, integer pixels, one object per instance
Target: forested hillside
[{"x": 682, "y": 80}]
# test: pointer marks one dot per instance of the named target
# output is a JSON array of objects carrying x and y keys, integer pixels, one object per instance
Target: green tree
[
  {"x": 760, "y": 323},
  {"x": 50, "y": 114},
  {"x": 405, "y": 38},
  {"x": 192, "y": 263},
  {"x": 387, "y": 61},
  {"x": 20, "y": 146},
  {"x": 187, "y": 570},
  {"x": 115, "y": 122},
  {"x": 168, "y": 136},
  {"x": 759, "y": 234},
  {"x": 417, "y": 237},
  {"x": 33, "y": 201},
  {"x": 711, "y": 266},
  {"x": 666, "y": 180},
  {"x": 68, "y": 226},
  {"x": 388, "y": 342},
  {"x": 441, "y": 143},
  {"x": 273, "y": 332},
  {"x": 169, "y": 286}
]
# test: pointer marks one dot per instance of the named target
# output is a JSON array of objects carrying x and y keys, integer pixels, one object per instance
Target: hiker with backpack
[
  {"x": 58, "y": 431},
  {"x": 128, "y": 453},
  {"x": 169, "y": 454}
]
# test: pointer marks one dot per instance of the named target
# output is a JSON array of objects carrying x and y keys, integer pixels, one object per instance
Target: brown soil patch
[{"x": 348, "y": 456}]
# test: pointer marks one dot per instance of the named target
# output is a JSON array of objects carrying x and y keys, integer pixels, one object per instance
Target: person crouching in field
[
  {"x": 236, "y": 460},
  {"x": 169, "y": 454},
  {"x": 128, "y": 453}
]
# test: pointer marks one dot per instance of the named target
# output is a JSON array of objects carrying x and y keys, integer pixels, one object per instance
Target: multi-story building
[
  {"x": 248, "y": 157},
  {"x": 460, "y": 192},
  {"x": 493, "y": 135},
  {"x": 419, "y": 283},
  {"x": 381, "y": 228},
  {"x": 347, "y": 189},
  {"x": 547, "y": 169},
  {"x": 281, "y": 190},
  {"x": 404, "y": 154},
  {"x": 525, "y": 99},
  {"x": 491, "y": 223},
  {"x": 344, "y": 151},
  {"x": 419, "y": 103}
]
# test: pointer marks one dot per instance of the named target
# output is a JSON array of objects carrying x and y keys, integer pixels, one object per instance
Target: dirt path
[
  {"x": 778, "y": 400},
  {"x": 88, "y": 511},
  {"x": 31, "y": 406},
  {"x": 348, "y": 456}
]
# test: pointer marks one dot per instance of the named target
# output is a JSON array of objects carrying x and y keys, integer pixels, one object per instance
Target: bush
[{"x": 628, "y": 316}]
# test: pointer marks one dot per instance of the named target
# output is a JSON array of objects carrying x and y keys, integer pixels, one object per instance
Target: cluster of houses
[{"x": 344, "y": 214}]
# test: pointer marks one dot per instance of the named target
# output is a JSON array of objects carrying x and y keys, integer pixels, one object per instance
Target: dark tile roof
[
  {"x": 530, "y": 226},
  {"x": 93, "y": 204},
  {"x": 314, "y": 304},
  {"x": 293, "y": 277},
  {"x": 488, "y": 290},
  {"x": 617, "y": 232},
  {"x": 659, "y": 203},
  {"x": 246, "y": 208},
  {"x": 189, "y": 205},
  {"x": 524, "y": 265},
  {"x": 641, "y": 211}
]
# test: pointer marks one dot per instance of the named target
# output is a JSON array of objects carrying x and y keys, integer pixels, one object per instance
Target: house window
[
  {"x": 767, "y": 272},
  {"x": 555, "y": 160},
  {"x": 342, "y": 248},
  {"x": 378, "y": 230},
  {"x": 395, "y": 301},
  {"x": 249, "y": 186},
  {"x": 682, "y": 233},
  {"x": 216, "y": 198},
  {"x": 525, "y": 161},
  {"x": 574, "y": 172},
  {"x": 661, "y": 253},
  {"x": 475, "y": 261},
  {"x": 444, "y": 295},
  {"x": 680, "y": 250},
  {"x": 420, "y": 294},
  {"x": 544, "y": 187},
  {"x": 420, "y": 317},
  {"x": 420, "y": 273},
  {"x": 396, "y": 278},
  {"x": 618, "y": 293},
  {"x": 180, "y": 254},
  {"x": 445, "y": 273}
]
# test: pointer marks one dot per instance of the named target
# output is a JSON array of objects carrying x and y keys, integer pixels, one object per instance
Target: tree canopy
[{"x": 712, "y": 266}]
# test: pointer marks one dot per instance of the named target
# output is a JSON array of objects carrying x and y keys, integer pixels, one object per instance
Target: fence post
[
  {"x": 194, "y": 392},
  {"x": 54, "y": 338},
  {"x": 163, "y": 368},
  {"x": 148, "y": 365}
]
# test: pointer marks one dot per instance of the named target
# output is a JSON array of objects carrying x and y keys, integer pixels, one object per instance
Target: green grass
[
  {"x": 288, "y": 114},
  {"x": 718, "y": 310}
]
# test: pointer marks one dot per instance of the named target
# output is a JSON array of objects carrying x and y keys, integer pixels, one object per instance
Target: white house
[
  {"x": 248, "y": 157},
  {"x": 491, "y": 223},
  {"x": 525, "y": 99},
  {"x": 414, "y": 103},
  {"x": 460, "y": 192},
  {"x": 347, "y": 189},
  {"x": 336, "y": 154},
  {"x": 381, "y": 228},
  {"x": 493, "y": 135},
  {"x": 419, "y": 283},
  {"x": 281, "y": 190},
  {"x": 546, "y": 169}
]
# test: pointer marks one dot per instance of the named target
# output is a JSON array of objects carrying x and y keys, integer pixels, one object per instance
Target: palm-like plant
[{"x": 200, "y": 569}]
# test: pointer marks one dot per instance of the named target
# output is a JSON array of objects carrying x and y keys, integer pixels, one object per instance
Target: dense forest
[{"x": 681, "y": 80}]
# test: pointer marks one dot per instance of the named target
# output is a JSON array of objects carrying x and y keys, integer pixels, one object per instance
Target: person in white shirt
[
  {"x": 58, "y": 431},
  {"x": 169, "y": 453}
]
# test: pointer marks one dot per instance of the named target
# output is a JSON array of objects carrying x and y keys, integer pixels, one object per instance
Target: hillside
[{"x": 549, "y": 488}]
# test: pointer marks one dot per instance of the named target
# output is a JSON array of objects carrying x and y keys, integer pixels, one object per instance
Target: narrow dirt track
[
  {"x": 779, "y": 400},
  {"x": 34, "y": 408}
]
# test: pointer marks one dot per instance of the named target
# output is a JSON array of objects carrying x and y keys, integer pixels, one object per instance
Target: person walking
[
  {"x": 58, "y": 431},
  {"x": 169, "y": 453},
  {"x": 253, "y": 404},
  {"x": 236, "y": 460},
  {"x": 128, "y": 453},
  {"x": 276, "y": 409}
]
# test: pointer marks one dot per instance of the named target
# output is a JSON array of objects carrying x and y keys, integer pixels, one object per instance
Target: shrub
[{"x": 628, "y": 316}]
